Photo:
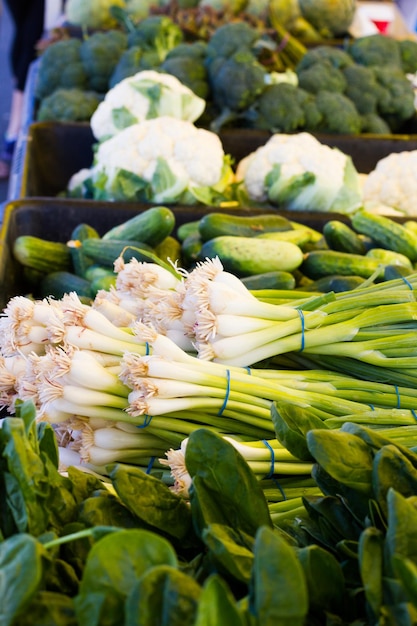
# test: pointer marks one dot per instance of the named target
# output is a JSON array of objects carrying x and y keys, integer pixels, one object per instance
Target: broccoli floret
[
  {"x": 362, "y": 88},
  {"x": 321, "y": 76},
  {"x": 133, "y": 60},
  {"x": 373, "y": 123},
  {"x": 408, "y": 51},
  {"x": 60, "y": 66},
  {"x": 158, "y": 33},
  {"x": 236, "y": 82},
  {"x": 340, "y": 115},
  {"x": 68, "y": 105},
  {"x": 100, "y": 53},
  {"x": 336, "y": 56},
  {"x": 396, "y": 104},
  {"x": 379, "y": 50},
  {"x": 279, "y": 108},
  {"x": 230, "y": 37},
  {"x": 186, "y": 62}
]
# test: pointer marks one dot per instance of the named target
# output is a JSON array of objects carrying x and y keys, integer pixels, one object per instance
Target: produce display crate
[
  {"x": 56, "y": 150},
  {"x": 55, "y": 218}
]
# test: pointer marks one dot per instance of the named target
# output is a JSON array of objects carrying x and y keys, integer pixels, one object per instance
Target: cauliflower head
[
  {"x": 158, "y": 160},
  {"x": 392, "y": 184},
  {"x": 145, "y": 95},
  {"x": 298, "y": 172}
]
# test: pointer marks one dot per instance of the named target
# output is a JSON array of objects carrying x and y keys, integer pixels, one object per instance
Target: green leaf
[
  {"x": 340, "y": 521},
  {"x": 406, "y": 571},
  {"x": 113, "y": 566},
  {"x": 152, "y": 91},
  {"x": 231, "y": 555},
  {"x": 284, "y": 191},
  {"x": 291, "y": 424},
  {"x": 391, "y": 469},
  {"x": 217, "y": 605},
  {"x": 324, "y": 577},
  {"x": 127, "y": 186},
  {"x": 278, "y": 591},
  {"x": 20, "y": 574},
  {"x": 224, "y": 488},
  {"x": 107, "y": 510},
  {"x": 122, "y": 117},
  {"x": 401, "y": 536},
  {"x": 344, "y": 456},
  {"x": 152, "y": 502},
  {"x": 163, "y": 596},
  {"x": 371, "y": 545},
  {"x": 167, "y": 186},
  {"x": 48, "y": 442},
  {"x": 49, "y": 608}
]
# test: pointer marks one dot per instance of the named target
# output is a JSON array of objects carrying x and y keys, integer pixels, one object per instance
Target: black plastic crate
[{"x": 56, "y": 150}]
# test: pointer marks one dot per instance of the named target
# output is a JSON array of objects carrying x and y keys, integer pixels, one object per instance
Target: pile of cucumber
[{"x": 267, "y": 251}]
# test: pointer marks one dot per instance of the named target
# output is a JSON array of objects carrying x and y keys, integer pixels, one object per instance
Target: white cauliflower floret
[
  {"x": 393, "y": 183},
  {"x": 147, "y": 94},
  {"x": 160, "y": 160},
  {"x": 300, "y": 173}
]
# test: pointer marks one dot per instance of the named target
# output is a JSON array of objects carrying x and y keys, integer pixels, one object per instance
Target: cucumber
[
  {"x": 41, "y": 254},
  {"x": 315, "y": 235},
  {"x": 103, "y": 282},
  {"x": 336, "y": 283},
  {"x": 169, "y": 249},
  {"x": 57, "y": 284},
  {"x": 269, "y": 280},
  {"x": 392, "y": 272},
  {"x": 341, "y": 237},
  {"x": 245, "y": 256},
  {"x": 389, "y": 257},
  {"x": 191, "y": 249},
  {"x": 105, "y": 252},
  {"x": 320, "y": 263},
  {"x": 80, "y": 262},
  {"x": 387, "y": 233},
  {"x": 411, "y": 225},
  {"x": 151, "y": 227},
  {"x": 95, "y": 271},
  {"x": 189, "y": 228},
  {"x": 217, "y": 224},
  {"x": 299, "y": 236}
]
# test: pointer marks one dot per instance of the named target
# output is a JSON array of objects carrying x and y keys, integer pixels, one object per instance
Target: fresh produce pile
[{"x": 363, "y": 87}]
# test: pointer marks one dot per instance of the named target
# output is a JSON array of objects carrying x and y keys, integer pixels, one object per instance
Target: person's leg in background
[{"x": 28, "y": 21}]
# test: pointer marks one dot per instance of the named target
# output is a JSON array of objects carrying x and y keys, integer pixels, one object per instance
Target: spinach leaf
[
  {"x": 224, "y": 488},
  {"x": 106, "y": 509},
  {"x": 324, "y": 577},
  {"x": 291, "y": 424},
  {"x": 113, "y": 566},
  {"x": 401, "y": 536},
  {"x": 163, "y": 596},
  {"x": 152, "y": 502},
  {"x": 392, "y": 470},
  {"x": 370, "y": 553},
  {"x": 217, "y": 605},
  {"x": 20, "y": 574},
  {"x": 232, "y": 556},
  {"x": 48, "y": 608},
  {"x": 278, "y": 589}
]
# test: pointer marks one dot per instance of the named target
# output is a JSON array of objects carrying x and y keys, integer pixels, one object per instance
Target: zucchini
[
  {"x": 218, "y": 224},
  {"x": 341, "y": 237},
  {"x": 320, "y": 263},
  {"x": 269, "y": 280},
  {"x": 151, "y": 227},
  {"x": 41, "y": 254},
  {"x": 105, "y": 252},
  {"x": 245, "y": 256},
  {"x": 389, "y": 257},
  {"x": 57, "y": 284},
  {"x": 387, "y": 233},
  {"x": 80, "y": 262}
]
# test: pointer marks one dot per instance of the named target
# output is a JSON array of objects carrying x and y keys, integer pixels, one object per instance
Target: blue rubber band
[
  {"x": 414, "y": 414},
  {"x": 407, "y": 282},
  {"x": 226, "y": 397},
  {"x": 280, "y": 489},
  {"x": 147, "y": 349},
  {"x": 248, "y": 369},
  {"x": 150, "y": 465},
  {"x": 398, "y": 397},
  {"x": 372, "y": 407},
  {"x": 301, "y": 314},
  {"x": 147, "y": 420},
  {"x": 270, "y": 448}
]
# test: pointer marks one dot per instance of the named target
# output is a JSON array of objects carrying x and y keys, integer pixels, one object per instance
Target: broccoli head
[
  {"x": 340, "y": 115},
  {"x": 230, "y": 37},
  {"x": 158, "y": 33},
  {"x": 396, "y": 104},
  {"x": 336, "y": 56},
  {"x": 279, "y": 108},
  {"x": 362, "y": 88},
  {"x": 378, "y": 49},
  {"x": 321, "y": 76},
  {"x": 100, "y": 53},
  {"x": 373, "y": 123},
  {"x": 132, "y": 61},
  {"x": 68, "y": 105},
  {"x": 186, "y": 62},
  {"x": 408, "y": 51},
  {"x": 235, "y": 82},
  {"x": 60, "y": 65}
]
